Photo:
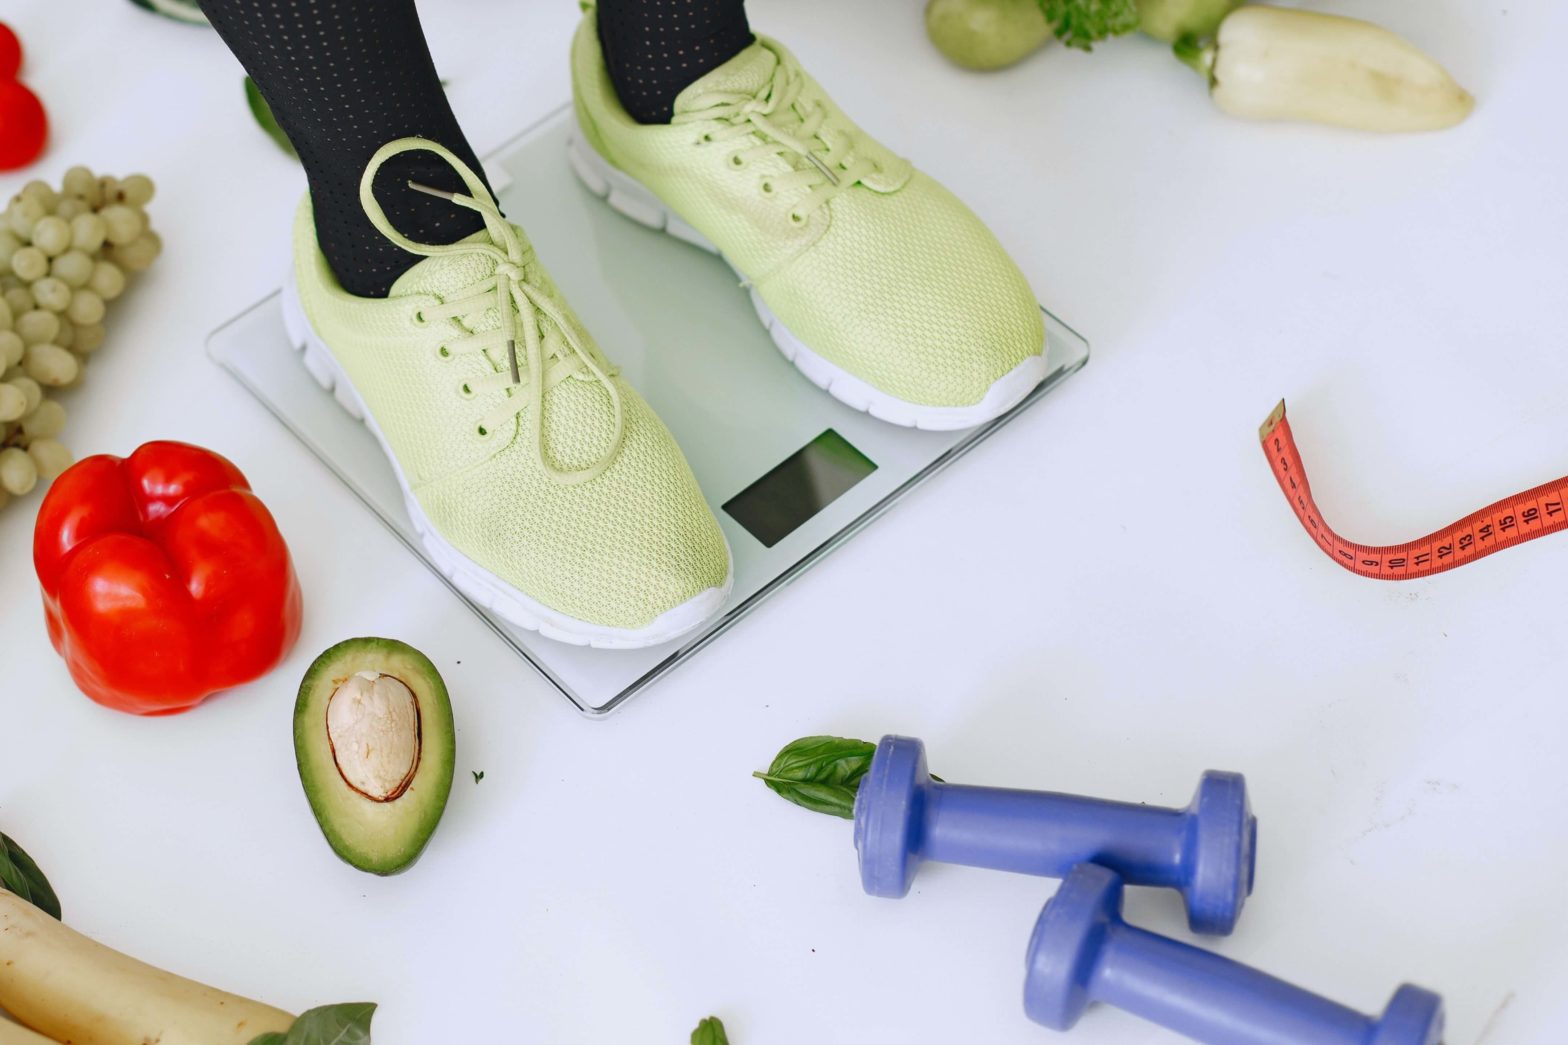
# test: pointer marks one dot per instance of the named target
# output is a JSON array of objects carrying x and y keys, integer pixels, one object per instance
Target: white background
[{"x": 1108, "y": 597}]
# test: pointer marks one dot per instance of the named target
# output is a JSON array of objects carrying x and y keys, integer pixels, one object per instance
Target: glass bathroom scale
[{"x": 791, "y": 473}]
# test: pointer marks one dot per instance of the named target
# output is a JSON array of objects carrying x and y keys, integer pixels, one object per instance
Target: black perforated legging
[{"x": 344, "y": 77}]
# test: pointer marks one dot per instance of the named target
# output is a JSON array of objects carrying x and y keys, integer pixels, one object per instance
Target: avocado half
[{"x": 375, "y": 743}]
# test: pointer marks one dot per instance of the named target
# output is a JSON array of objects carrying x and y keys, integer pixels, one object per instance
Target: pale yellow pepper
[{"x": 1278, "y": 64}]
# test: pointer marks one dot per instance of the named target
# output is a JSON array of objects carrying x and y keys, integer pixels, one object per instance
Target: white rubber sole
[
  {"x": 636, "y": 201},
  {"x": 473, "y": 580}
]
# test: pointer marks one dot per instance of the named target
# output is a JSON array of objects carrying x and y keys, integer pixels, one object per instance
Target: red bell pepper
[{"x": 164, "y": 578}]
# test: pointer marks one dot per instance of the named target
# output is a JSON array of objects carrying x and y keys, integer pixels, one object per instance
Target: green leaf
[
  {"x": 710, "y": 1032},
  {"x": 180, "y": 10},
  {"x": 264, "y": 118},
  {"x": 820, "y": 773},
  {"x": 345, "y": 1024},
  {"x": 479, "y": 774},
  {"x": 21, "y": 876},
  {"x": 1083, "y": 23}
]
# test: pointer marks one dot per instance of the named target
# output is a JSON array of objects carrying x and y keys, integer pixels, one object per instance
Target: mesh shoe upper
[
  {"x": 617, "y": 550},
  {"x": 892, "y": 278}
]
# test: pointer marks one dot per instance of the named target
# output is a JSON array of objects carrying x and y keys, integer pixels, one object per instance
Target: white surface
[{"x": 1107, "y": 598}]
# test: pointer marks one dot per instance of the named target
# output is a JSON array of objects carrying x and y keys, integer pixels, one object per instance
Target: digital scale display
[{"x": 803, "y": 484}]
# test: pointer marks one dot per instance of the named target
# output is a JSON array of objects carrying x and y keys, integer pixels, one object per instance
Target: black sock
[
  {"x": 344, "y": 77},
  {"x": 654, "y": 49}
]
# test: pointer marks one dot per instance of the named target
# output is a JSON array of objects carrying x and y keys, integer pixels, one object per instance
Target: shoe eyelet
[
  {"x": 419, "y": 319},
  {"x": 706, "y": 139},
  {"x": 737, "y": 161},
  {"x": 796, "y": 218},
  {"x": 483, "y": 432},
  {"x": 443, "y": 352},
  {"x": 767, "y": 188},
  {"x": 465, "y": 390}
]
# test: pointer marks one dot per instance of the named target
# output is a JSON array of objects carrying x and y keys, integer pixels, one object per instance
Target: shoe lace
[
  {"x": 550, "y": 356},
  {"x": 790, "y": 126}
]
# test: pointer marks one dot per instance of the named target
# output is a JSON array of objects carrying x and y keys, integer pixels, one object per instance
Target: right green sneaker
[
  {"x": 875, "y": 281},
  {"x": 539, "y": 481}
]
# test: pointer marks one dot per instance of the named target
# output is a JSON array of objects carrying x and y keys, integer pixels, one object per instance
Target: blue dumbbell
[
  {"x": 1083, "y": 952},
  {"x": 903, "y": 817}
]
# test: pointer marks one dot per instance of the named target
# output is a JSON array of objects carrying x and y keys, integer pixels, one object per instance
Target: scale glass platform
[{"x": 791, "y": 473}]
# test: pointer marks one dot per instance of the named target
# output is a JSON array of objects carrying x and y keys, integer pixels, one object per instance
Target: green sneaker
[
  {"x": 876, "y": 282},
  {"x": 540, "y": 483}
]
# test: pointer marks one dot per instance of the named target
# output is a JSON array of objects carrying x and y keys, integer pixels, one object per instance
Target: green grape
[
  {"x": 46, "y": 422},
  {"x": 23, "y": 214},
  {"x": 31, "y": 389},
  {"x": 88, "y": 232},
  {"x": 18, "y": 473},
  {"x": 79, "y": 181},
  {"x": 50, "y": 457},
  {"x": 86, "y": 308},
  {"x": 107, "y": 280},
  {"x": 69, "y": 207},
  {"x": 138, "y": 255},
  {"x": 10, "y": 243},
  {"x": 20, "y": 299},
  {"x": 123, "y": 223},
  {"x": 13, "y": 402},
  {"x": 30, "y": 263},
  {"x": 52, "y": 235},
  {"x": 50, "y": 365},
  {"x": 7, "y": 321},
  {"x": 37, "y": 327},
  {"x": 40, "y": 191},
  {"x": 65, "y": 337},
  {"x": 109, "y": 190},
  {"x": 73, "y": 268},
  {"x": 52, "y": 294},
  {"x": 138, "y": 189},
  {"x": 88, "y": 339}
]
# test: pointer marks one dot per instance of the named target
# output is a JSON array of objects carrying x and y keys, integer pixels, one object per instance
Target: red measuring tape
[{"x": 1511, "y": 521}]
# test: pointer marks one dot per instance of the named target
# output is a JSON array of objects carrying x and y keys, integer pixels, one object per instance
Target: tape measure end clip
[{"x": 1266, "y": 429}]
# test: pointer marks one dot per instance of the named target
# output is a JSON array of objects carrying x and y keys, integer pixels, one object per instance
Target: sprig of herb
[
  {"x": 1083, "y": 23},
  {"x": 822, "y": 773},
  {"x": 479, "y": 774},
  {"x": 710, "y": 1032},
  {"x": 21, "y": 876},
  {"x": 345, "y": 1024}
]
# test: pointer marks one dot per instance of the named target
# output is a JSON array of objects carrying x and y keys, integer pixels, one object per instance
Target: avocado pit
[{"x": 374, "y": 734}]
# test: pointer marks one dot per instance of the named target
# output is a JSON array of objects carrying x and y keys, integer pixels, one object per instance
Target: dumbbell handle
[
  {"x": 1045, "y": 833},
  {"x": 1211, "y": 998}
]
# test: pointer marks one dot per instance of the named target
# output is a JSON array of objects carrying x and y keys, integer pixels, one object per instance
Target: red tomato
[
  {"x": 23, "y": 126},
  {"x": 10, "y": 53}
]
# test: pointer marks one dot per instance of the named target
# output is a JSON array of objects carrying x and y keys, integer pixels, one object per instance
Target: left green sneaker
[{"x": 873, "y": 279}]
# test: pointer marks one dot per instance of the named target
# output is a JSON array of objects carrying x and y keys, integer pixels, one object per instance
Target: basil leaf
[
  {"x": 264, "y": 118},
  {"x": 346, "y": 1024},
  {"x": 820, "y": 773},
  {"x": 21, "y": 876},
  {"x": 710, "y": 1032},
  {"x": 188, "y": 11}
]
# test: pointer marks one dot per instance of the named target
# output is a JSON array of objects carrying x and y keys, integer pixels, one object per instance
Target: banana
[
  {"x": 16, "y": 1034},
  {"x": 72, "y": 989}
]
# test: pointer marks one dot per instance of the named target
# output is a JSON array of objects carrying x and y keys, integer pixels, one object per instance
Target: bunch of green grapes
[{"x": 63, "y": 257}]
